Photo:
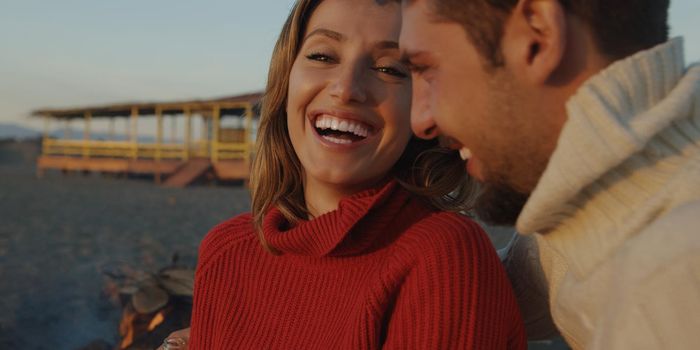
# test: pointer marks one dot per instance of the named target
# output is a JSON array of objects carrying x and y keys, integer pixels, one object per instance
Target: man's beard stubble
[{"x": 499, "y": 205}]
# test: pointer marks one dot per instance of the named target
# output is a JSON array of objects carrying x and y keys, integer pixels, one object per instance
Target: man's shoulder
[
  {"x": 668, "y": 240},
  {"x": 653, "y": 298},
  {"x": 678, "y": 225}
]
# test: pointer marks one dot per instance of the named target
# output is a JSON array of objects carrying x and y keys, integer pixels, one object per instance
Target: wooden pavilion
[{"x": 222, "y": 151}]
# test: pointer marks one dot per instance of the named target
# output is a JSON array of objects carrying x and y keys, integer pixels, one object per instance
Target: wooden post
[
  {"x": 88, "y": 124},
  {"x": 47, "y": 120},
  {"x": 159, "y": 132},
  {"x": 204, "y": 138},
  {"x": 86, "y": 135},
  {"x": 44, "y": 146},
  {"x": 188, "y": 132},
  {"x": 173, "y": 128},
  {"x": 216, "y": 118},
  {"x": 159, "y": 140},
  {"x": 127, "y": 130},
  {"x": 248, "y": 139},
  {"x": 133, "y": 132},
  {"x": 204, "y": 134},
  {"x": 111, "y": 128},
  {"x": 66, "y": 129}
]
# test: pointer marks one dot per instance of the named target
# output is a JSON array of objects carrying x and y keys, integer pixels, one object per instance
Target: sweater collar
[
  {"x": 613, "y": 118},
  {"x": 324, "y": 234}
]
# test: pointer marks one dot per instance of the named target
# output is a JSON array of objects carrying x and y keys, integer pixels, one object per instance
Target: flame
[
  {"x": 130, "y": 326},
  {"x": 126, "y": 329},
  {"x": 157, "y": 319}
]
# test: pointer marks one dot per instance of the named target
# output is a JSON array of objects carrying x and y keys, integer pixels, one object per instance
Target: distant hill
[
  {"x": 77, "y": 134},
  {"x": 16, "y": 132}
]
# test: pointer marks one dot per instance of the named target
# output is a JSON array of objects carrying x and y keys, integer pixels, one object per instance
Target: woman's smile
[
  {"x": 349, "y": 96},
  {"x": 340, "y": 128}
]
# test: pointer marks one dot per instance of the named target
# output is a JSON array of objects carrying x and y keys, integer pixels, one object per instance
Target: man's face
[{"x": 486, "y": 111}]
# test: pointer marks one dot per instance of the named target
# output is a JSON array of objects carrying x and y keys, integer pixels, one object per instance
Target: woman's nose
[{"x": 350, "y": 86}]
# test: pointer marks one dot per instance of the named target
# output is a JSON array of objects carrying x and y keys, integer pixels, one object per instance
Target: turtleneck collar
[
  {"x": 611, "y": 116},
  {"x": 324, "y": 235},
  {"x": 629, "y": 129}
]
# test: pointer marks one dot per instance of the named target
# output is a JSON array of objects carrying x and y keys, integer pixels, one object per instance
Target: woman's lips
[
  {"x": 341, "y": 128},
  {"x": 328, "y": 122}
]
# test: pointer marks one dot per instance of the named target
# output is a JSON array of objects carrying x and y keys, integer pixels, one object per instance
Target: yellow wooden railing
[
  {"x": 217, "y": 142},
  {"x": 132, "y": 150}
]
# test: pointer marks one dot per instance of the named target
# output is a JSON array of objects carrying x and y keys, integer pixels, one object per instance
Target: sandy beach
[{"x": 60, "y": 232}]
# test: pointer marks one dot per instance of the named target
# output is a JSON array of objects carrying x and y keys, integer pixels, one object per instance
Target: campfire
[{"x": 153, "y": 304}]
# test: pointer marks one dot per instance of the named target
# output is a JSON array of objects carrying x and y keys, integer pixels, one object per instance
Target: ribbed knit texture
[
  {"x": 383, "y": 271},
  {"x": 618, "y": 208}
]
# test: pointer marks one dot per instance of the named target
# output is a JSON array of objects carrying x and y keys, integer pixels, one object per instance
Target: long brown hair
[{"x": 427, "y": 170}]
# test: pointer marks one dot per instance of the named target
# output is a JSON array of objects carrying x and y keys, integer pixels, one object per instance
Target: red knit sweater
[{"x": 382, "y": 271}]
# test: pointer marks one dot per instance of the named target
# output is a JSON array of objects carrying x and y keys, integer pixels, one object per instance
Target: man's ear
[{"x": 534, "y": 39}]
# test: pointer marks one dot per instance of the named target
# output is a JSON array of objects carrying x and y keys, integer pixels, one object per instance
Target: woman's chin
[{"x": 346, "y": 182}]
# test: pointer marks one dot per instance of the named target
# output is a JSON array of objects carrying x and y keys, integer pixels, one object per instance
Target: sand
[{"x": 58, "y": 233}]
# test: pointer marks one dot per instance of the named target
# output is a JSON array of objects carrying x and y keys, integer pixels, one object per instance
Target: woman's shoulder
[
  {"x": 445, "y": 234},
  {"x": 225, "y": 235}
]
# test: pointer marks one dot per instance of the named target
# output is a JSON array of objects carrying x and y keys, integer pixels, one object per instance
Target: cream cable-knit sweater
[{"x": 618, "y": 208}]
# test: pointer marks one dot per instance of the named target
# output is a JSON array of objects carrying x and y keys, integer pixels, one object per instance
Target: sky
[{"x": 84, "y": 52}]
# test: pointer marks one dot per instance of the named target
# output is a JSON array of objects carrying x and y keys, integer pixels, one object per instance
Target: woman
[{"x": 346, "y": 246}]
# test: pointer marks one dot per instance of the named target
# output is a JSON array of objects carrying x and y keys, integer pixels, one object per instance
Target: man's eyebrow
[
  {"x": 387, "y": 44},
  {"x": 409, "y": 56},
  {"x": 326, "y": 32}
]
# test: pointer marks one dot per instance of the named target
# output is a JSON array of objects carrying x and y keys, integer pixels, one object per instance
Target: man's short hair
[{"x": 619, "y": 27}]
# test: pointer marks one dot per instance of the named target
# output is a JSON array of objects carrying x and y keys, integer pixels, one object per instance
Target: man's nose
[{"x": 422, "y": 121}]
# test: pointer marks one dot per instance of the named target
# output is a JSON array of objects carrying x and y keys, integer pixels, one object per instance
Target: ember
[{"x": 158, "y": 319}]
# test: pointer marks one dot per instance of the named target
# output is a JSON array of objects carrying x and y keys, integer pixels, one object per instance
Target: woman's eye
[
  {"x": 391, "y": 71},
  {"x": 320, "y": 57}
]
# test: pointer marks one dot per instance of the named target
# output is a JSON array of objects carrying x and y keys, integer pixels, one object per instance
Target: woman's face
[{"x": 349, "y": 95}]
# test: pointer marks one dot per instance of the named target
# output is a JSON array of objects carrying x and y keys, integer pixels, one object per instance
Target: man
[{"x": 583, "y": 124}]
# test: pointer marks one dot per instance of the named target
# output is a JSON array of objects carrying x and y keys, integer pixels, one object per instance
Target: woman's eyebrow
[{"x": 327, "y": 33}]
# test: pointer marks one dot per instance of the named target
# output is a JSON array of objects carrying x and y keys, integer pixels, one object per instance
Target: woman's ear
[{"x": 534, "y": 39}]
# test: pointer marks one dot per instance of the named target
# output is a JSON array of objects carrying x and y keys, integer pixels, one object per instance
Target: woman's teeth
[
  {"x": 337, "y": 140},
  {"x": 326, "y": 122},
  {"x": 465, "y": 153}
]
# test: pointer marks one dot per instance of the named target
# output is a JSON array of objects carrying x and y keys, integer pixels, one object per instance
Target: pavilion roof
[{"x": 229, "y": 105}]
